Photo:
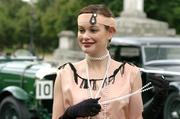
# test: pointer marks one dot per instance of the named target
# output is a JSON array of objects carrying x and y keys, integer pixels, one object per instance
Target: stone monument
[
  {"x": 68, "y": 50},
  {"x": 133, "y": 22}
]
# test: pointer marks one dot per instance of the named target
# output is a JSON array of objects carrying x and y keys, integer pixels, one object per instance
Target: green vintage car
[{"x": 26, "y": 88}]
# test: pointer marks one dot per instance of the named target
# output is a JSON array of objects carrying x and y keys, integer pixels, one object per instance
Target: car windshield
[
  {"x": 162, "y": 52},
  {"x": 131, "y": 54}
]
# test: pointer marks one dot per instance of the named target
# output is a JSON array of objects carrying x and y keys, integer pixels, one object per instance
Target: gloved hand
[
  {"x": 160, "y": 84},
  {"x": 161, "y": 91},
  {"x": 88, "y": 107}
]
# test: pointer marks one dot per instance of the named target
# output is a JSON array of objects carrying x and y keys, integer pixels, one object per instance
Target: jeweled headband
[{"x": 94, "y": 18}]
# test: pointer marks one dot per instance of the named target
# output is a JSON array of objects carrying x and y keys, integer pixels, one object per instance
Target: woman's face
[{"x": 93, "y": 39}]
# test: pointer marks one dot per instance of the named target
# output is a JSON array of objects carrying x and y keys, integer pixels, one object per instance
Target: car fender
[
  {"x": 175, "y": 86},
  {"x": 17, "y": 92}
]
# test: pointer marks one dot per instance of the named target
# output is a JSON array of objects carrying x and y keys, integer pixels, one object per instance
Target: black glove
[
  {"x": 86, "y": 108},
  {"x": 161, "y": 91},
  {"x": 161, "y": 86}
]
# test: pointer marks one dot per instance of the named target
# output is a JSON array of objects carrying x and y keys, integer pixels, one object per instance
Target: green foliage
[
  {"x": 8, "y": 19},
  {"x": 164, "y": 10}
]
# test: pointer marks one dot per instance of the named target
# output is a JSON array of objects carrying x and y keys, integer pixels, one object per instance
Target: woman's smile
[{"x": 87, "y": 44}]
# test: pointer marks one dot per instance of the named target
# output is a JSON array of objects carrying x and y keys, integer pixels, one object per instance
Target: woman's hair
[{"x": 97, "y": 8}]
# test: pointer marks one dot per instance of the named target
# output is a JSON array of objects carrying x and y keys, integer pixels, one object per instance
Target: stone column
[
  {"x": 137, "y": 5},
  {"x": 66, "y": 39},
  {"x": 133, "y": 8},
  {"x": 68, "y": 50}
]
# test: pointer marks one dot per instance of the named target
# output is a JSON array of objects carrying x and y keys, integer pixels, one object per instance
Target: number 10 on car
[{"x": 44, "y": 89}]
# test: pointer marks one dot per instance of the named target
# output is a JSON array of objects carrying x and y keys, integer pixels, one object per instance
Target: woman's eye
[
  {"x": 93, "y": 30},
  {"x": 81, "y": 30}
]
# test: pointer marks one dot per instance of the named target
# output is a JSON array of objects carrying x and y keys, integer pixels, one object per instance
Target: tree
[
  {"x": 164, "y": 10},
  {"x": 8, "y": 19}
]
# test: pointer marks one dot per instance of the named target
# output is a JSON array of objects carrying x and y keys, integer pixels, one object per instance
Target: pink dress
[{"x": 74, "y": 89}]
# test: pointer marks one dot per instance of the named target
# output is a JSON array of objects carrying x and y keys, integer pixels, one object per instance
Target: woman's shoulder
[
  {"x": 132, "y": 66},
  {"x": 70, "y": 66},
  {"x": 126, "y": 66},
  {"x": 69, "y": 69}
]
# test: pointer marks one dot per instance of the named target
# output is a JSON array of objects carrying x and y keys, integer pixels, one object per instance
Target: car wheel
[
  {"x": 11, "y": 108},
  {"x": 172, "y": 107}
]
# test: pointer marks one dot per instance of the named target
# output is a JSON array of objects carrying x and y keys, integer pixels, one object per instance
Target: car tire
[
  {"x": 11, "y": 108},
  {"x": 172, "y": 106}
]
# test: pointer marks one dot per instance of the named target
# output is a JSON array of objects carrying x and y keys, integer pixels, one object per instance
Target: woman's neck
[
  {"x": 99, "y": 57},
  {"x": 97, "y": 68}
]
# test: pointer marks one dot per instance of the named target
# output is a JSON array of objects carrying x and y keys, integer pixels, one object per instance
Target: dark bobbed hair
[{"x": 97, "y": 8}]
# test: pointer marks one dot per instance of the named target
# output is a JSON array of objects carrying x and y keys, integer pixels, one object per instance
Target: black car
[{"x": 155, "y": 56}]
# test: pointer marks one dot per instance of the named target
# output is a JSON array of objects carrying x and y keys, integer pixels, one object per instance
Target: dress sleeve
[
  {"x": 58, "y": 106},
  {"x": 135, "y": 102}
]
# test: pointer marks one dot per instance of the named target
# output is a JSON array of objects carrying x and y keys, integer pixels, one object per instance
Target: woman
[
  {"x": 85, "y": 89},
  {"x": 91, "y": 87}
]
